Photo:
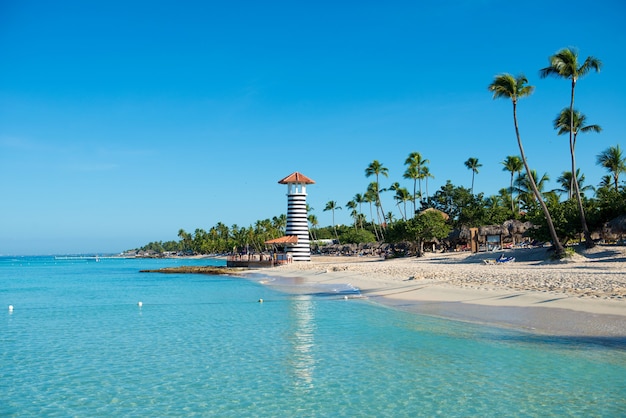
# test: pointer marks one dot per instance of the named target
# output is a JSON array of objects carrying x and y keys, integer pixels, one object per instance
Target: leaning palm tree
[
  {"x": 564, "y": 64},
  {"x": 512, "y": 164},
  {"x": 614, "y": 161},
  {"x": 473, "y": 164},
  {"x": 377, "y": 169},
  {"x": 332, "y": 206},
  {"x": 507, "y": 86}
]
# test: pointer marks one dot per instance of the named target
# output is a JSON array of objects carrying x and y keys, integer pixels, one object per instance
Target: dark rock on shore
[{"x": 216, "y": 270}]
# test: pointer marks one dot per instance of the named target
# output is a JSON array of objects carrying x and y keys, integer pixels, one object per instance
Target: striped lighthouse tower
[{"x": 297, "y": 223}]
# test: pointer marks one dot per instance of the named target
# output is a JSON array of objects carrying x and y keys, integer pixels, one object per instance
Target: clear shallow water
[{"x": 77, "y": 344}]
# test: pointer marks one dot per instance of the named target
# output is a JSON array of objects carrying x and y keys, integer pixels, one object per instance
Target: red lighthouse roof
[{"x": 296, "y": 178}]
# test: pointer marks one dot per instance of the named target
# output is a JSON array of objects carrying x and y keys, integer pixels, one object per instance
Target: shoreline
[{"x": 584, "y": 297}]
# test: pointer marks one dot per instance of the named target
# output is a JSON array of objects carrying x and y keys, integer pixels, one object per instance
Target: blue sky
[{"x": 122, "y": 122}]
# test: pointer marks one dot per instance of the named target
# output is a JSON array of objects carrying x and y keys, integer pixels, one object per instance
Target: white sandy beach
[{"x": 585, "y": 296}]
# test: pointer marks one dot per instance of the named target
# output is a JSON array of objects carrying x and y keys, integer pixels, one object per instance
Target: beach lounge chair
[{"x": 503, "y": 259}]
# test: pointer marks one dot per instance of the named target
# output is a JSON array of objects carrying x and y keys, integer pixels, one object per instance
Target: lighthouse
[{"x": 297, "y": 223}]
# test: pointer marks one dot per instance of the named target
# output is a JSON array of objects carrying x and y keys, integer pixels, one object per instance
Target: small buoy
[
  {"x": 140, "y": 304},
  {"x": 10, "y": 308},
  {"x": 260, "y": 300},
  {"x": 345, "y": 297}
]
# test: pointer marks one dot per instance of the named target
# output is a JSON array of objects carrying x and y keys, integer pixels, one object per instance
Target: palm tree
[
  {"x": 426, "y": 174},
  {"x": 370, "y": 197},
  {"x": 614, "y": 161},
  {"x": 413, "y": 173},
  {"x": 564, "y": 122},
  {"x": 509, "y": 87},
  {"x": 567, "y": 184},
  {"x": 415, "y": 163},
  {"x": 352, "y": 205},
  {"x": 359, "y": 199},
  {"x": 280, "y": 223},
  {"x": 402, "y": 196},
  {"x": 313, "y": 221},
  {"x": 473, "y": 164},
  {"x": 377, "y": 169},
  {"x": 524, "y": 189},
  {"x": 513, "y": 164},
  {"x": 332, "y": 206},
  {"x": 606, "y": 182},
  {"x": 564, "y": 64}
]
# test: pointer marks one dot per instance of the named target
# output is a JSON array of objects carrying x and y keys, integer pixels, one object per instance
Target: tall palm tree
[
  {"x": 426, "y": 174},
  {"x": 563, "y": 123},
  {"x": 614, "y": 161},
  {"x": 370, "y": 197},
  {"x": 473, "y": 164},
  {"x": 564, "y": 64},
  {"x": 415, "y": 163},
  {"x": 401, "y": 197},
  {"x": 360, "y": 199},
  {"x": 413, "y": 173},
  {"x": 377, "y": 169},
  {"x": 332, "y": 206},
  {"x": 507, "y": 86},
  {"x": 351, "y": 204},
  {"x": 512, "y": 164}
]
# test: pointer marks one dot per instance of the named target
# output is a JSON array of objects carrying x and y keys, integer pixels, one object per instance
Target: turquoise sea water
[{"x": 78, "y": 344}]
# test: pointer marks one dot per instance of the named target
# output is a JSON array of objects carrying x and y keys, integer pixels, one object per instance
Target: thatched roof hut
[
  {"x": 517, "y": 227},
  {"x": 492, "y": 230},
  {"x": 617, "y": 225},
  {"x": 614, "y": 229},
  {"x": 445, "y": 215}
]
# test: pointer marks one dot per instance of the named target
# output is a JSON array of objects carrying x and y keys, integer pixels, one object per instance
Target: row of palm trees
[
  {"x": 519, "y": 195},
  {"x": 564, "y": 64}
]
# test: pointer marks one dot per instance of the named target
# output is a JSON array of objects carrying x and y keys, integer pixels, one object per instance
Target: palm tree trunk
[
  {"x": 379, "y": 202},
  {"x": 512, "y": 200},
  {"x": 572, "y": 140},
  {"x": 414, "y": 196},
  {"x": 374, "y": 223},
  {"x": 558, "y": 247}
]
